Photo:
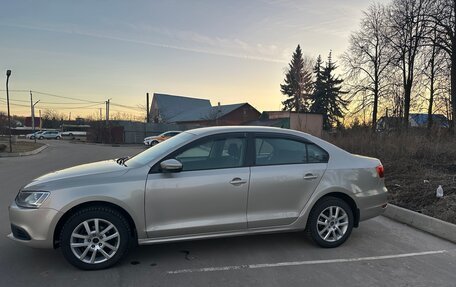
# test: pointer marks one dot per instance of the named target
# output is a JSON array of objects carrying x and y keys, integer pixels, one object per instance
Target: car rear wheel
[
  {"x": 330, "y": 222},
  {"x": 95, "y": 238}
]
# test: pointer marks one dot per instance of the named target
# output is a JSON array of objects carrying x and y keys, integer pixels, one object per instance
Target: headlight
[{"x": 31, "y": 199}]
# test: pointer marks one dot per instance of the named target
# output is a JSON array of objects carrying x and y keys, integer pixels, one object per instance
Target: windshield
[{"x": 159, "y": 149}]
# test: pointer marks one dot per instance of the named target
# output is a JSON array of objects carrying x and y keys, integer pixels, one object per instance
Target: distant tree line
[{"x": 401, "y": 59}]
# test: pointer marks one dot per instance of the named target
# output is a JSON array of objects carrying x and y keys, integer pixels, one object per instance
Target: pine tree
[
  {"x": 327, "y": 96},
  {"x": 297, "y": 85}
]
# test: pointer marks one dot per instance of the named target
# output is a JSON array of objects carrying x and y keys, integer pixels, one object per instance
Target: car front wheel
[
  {"x": 330, "y": 222},
  {"x": 95, "y": 238}
]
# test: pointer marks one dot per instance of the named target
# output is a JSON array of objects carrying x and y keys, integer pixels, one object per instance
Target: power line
[
  {"x": 63, "y": 97},
  {"x": 137, "y": 109},
  {"x": 82, "y": 107},
  {"x": 56, "y": 96},
  {"x": 12, "y": 104},
  {"x": 127, "y": 107},
  {"x": 45, "y": 102}
]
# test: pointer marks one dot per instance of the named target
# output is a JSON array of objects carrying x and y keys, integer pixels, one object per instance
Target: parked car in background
[
  {"x": 204, "y": 183},
  {"x": 34, "y": 135},
  {"x": 74, "y": 134},
  {"x": 50, "y": 135},
  {"x": 153, "y": 140}
]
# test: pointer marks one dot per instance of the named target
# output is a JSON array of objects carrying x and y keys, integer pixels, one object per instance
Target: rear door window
[
  {"x": 273, "y": 151},
  {"x": 279, "y": 151}
]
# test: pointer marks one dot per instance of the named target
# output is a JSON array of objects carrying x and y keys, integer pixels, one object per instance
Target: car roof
[{"x": 228, "y": 129}]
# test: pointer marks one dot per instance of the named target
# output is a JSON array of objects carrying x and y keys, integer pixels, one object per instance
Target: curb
[
  {"x": 18, "y": 154},
  {"x": 423, "y": 222}
]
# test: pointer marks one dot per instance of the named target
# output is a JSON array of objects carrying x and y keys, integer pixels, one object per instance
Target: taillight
[{"x": 380, "y": 171}]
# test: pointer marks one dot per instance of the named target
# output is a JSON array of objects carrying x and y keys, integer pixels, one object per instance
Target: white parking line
[{"x": 310, "y": 262}]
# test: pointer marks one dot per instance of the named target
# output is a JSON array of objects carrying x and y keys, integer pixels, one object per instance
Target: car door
[
  {"x": 208, "y": 195},
  {"x": 286, "y": 172},
  {"x": 51, "y": 135}
]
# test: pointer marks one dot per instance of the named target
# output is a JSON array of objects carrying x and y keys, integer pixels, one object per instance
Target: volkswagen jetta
[{"x": 202, "y": 183}]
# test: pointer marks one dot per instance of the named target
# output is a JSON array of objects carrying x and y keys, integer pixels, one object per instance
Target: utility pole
[
  {"x": 101, "y": 116},
  {"x": 107, "y": 111},
  {"x": 147, "y": 108},
  {"x": 8, "y": 74},
  {"x": 32, "y": 107}
]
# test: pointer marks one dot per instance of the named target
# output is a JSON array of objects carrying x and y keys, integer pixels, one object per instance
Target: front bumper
[{"x": 38, "y": 224}]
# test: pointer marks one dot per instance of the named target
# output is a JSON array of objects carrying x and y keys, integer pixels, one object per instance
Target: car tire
[
  {"x": 41, "y": 138},
  {"x": 152, "y": 143},
  {"x": 330, "y": 222},
  {"x": 110, "y": 242}
]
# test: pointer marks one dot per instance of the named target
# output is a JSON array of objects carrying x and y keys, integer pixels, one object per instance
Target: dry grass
[
  {"x": 416, "y": 163},
  {"x": 21, "y": 146}
]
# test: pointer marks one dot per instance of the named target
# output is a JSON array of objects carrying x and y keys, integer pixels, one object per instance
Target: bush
[{"x": 416, "y": 162}]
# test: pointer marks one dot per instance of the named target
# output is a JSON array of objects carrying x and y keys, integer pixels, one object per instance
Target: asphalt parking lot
[{"x": 379, "y": 253}]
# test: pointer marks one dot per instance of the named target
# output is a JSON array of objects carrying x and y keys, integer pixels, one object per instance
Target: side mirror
[{"x": 171, "y": 165}]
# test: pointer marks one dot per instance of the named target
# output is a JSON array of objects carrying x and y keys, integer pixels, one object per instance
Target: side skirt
[{"x": 148, "y": 241}]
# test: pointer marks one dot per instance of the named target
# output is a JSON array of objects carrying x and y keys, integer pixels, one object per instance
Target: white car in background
[
  {"x": 153, "y": 140},
  {"x": 34, "y": 135}
]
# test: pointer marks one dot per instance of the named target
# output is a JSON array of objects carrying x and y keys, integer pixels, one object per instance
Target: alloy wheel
[
  {"x": 95, "y": 241},
  {"x": 332, "y": 223}
]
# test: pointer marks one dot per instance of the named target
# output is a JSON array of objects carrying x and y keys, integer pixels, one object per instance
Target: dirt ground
[{"x": 416, "y": 163}]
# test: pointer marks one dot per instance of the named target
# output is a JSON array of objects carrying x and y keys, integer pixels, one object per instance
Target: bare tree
[
  {"x": 443, "y": 15},
  {"x": 407, "y": 24},
  {"x": 368, "y": 58},
  {"x": 434, "y": 66}
]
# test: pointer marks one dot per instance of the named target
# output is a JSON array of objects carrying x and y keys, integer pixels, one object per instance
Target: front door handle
[
  {"x": 310, "y": 176},
  {"x": 238, "y": 181}
]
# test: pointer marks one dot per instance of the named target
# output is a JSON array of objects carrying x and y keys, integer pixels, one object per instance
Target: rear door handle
[
  {"x": 238, "y": 181},
  {"x": 310, "y": 176}
]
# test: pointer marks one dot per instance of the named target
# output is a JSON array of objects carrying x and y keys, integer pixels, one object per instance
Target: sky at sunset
[{"x": 225, "y": 51}]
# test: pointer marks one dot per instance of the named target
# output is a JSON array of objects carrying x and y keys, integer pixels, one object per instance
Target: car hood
[{"x": 107, "y": 167}]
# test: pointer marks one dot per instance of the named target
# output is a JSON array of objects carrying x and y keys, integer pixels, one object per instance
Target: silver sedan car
[{"x": 202, "y": 183}]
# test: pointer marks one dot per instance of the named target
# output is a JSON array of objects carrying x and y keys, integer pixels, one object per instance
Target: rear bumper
[
  {"x": 372, "y": 204},
  {"x": 33, "y": 227}
]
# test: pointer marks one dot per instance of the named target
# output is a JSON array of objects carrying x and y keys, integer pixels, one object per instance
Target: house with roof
[
  {"x": 199, "y": 112},
  {"x": 164, "y": 107},
  {"x": 415, "y": 121},
  {"x": 422, "y": 120}
]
